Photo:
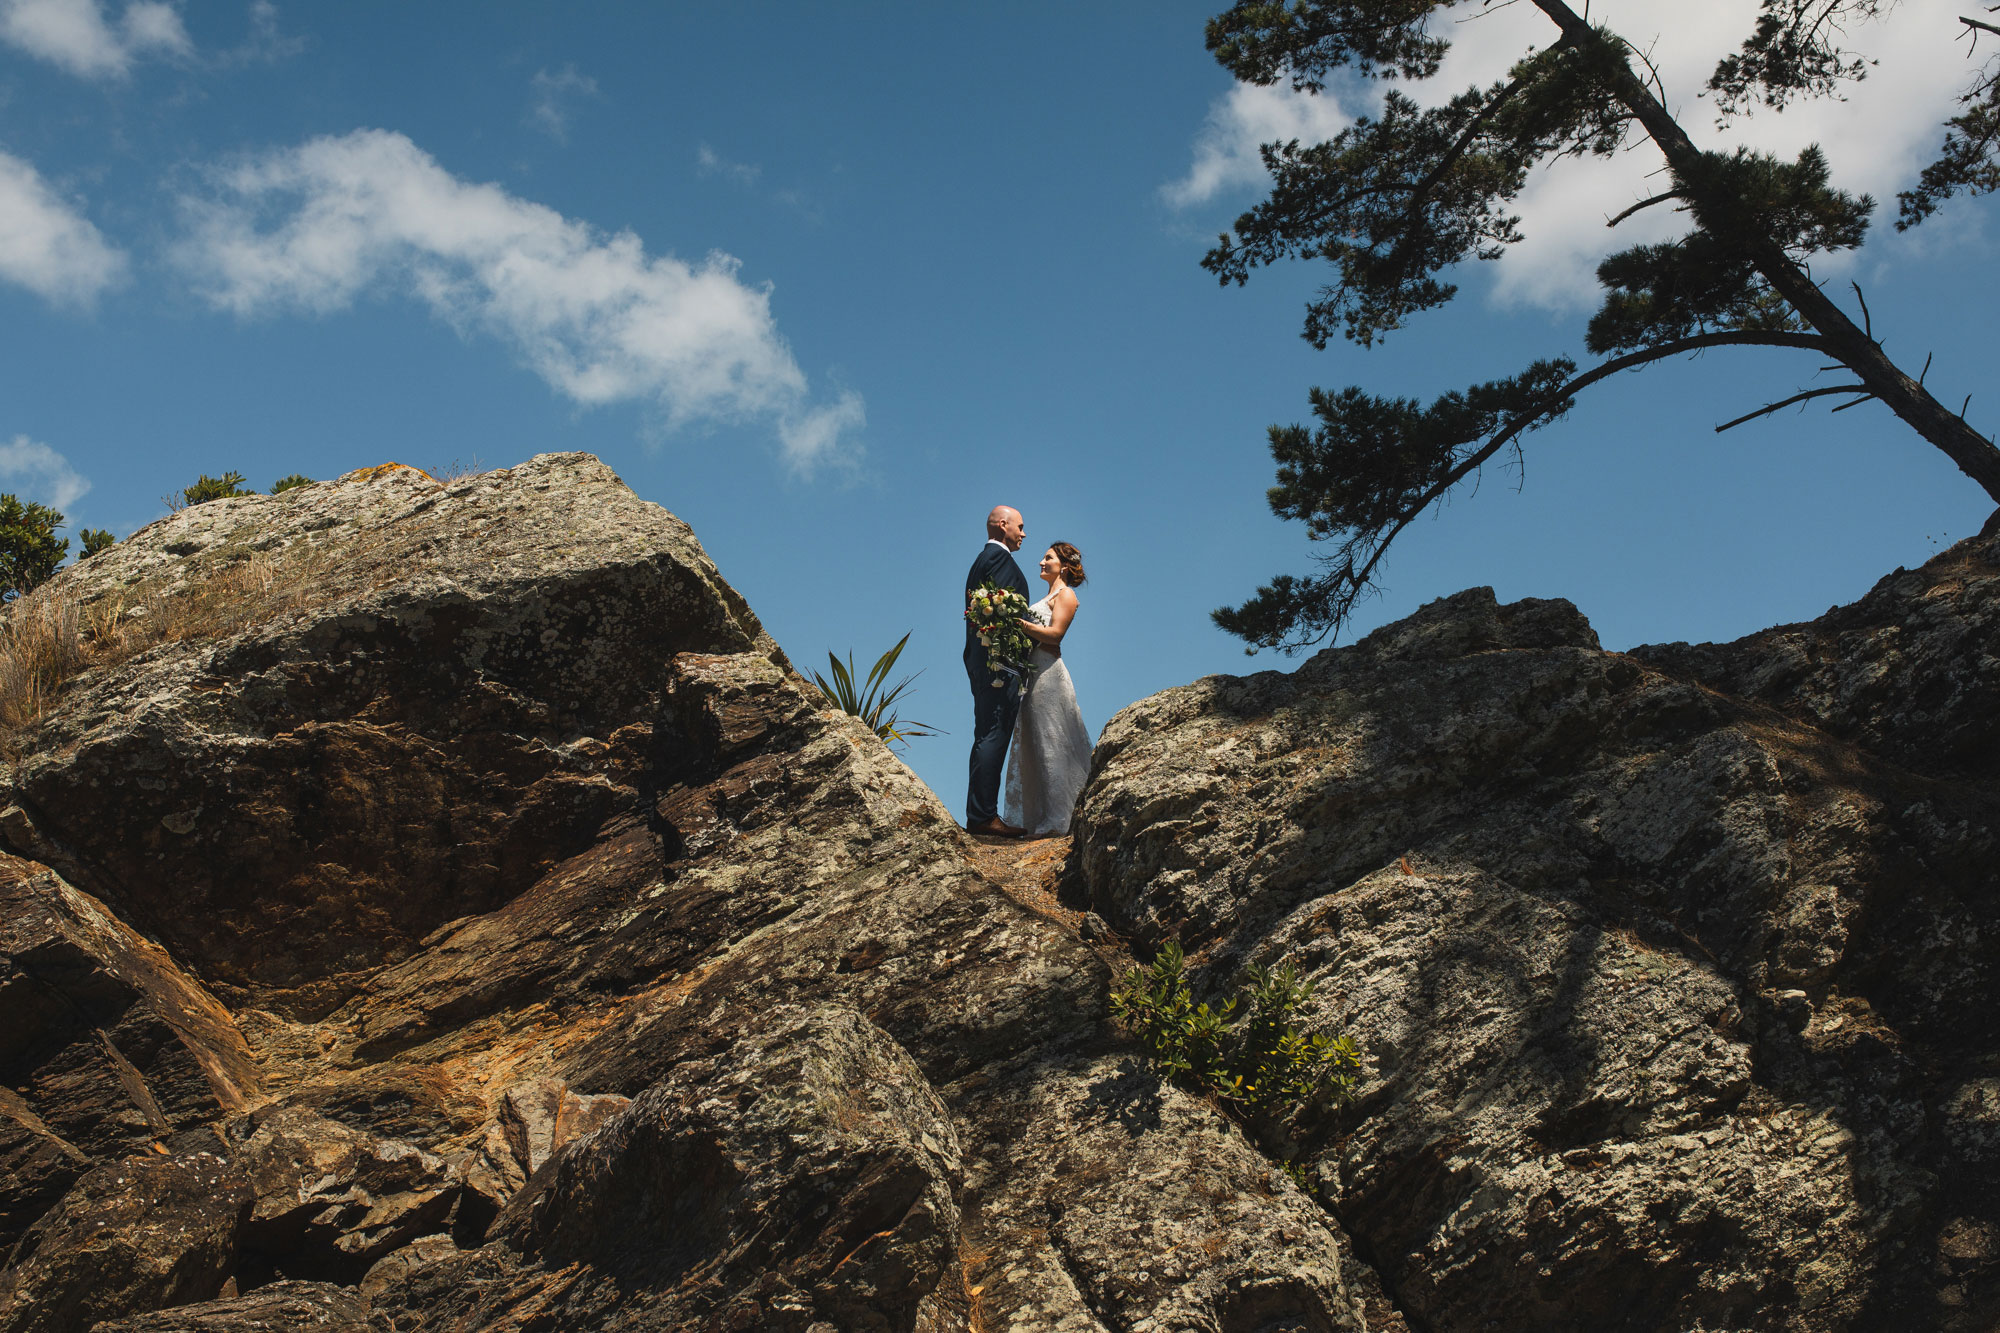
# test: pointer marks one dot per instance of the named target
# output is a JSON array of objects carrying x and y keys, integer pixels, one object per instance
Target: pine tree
[
  {"x": 1397, "y": 199},
  {"x": 29, "y": 547}
]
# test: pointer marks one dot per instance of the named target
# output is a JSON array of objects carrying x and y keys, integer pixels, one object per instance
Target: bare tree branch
[
  {"x": 1644, "y": 203},
  {"x": 1769, "y": 408},
  {"x": 1644, "y": 356}
]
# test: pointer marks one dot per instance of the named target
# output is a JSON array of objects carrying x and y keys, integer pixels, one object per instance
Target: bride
[{"x": 1050, "y": 757}]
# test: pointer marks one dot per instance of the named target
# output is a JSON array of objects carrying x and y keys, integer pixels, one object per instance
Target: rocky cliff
[
  {"x": 441, "y": 906},
  {"x": 1674, "y": 967}
]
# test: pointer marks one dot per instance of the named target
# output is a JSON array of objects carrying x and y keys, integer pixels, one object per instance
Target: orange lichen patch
[{"x": 382, "y": 470}]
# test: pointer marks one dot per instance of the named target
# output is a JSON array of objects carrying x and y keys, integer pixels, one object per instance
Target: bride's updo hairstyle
[{"x": 1071, "y": 561}]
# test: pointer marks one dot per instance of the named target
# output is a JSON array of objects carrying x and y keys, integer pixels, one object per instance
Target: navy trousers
[{"x": 993, "y": 714}]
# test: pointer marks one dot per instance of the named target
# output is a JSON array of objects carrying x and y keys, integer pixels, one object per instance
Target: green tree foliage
[
  {"x": 873, "y": 700},
  {"x": 1247, "y": 1052},
  {"x": 208, "y": 488},
  {"x": 287, "y": 483},
  {"x": 1397, "y": 199},
  {"x": 1969, "y": 162},
  {"x": 29, "y": 547},
  {"x": 95, "y": 540}
]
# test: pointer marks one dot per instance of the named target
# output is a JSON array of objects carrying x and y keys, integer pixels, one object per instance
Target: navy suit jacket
[{"x": 995, "y": 565}]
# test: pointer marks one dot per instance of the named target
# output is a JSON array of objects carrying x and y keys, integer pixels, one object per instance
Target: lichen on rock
[{"x": 564, "y": 962}]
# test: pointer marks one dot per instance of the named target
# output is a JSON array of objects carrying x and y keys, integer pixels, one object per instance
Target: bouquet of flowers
[{"x": 996, "y": 613}]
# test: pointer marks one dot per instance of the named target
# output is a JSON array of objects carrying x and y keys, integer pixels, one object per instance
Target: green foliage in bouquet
[
  {"x": 996, "y": 613},
  {"x": 1247, "y": 1052},
  {"x": 874, "y": 700}
]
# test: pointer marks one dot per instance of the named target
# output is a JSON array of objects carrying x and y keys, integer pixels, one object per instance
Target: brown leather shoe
[{"x": 996, "y": 828}]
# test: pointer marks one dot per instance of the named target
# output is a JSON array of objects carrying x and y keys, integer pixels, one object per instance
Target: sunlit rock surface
[
  {"x": 460, "y": 876},
  {"x": 440, "y": 906}
]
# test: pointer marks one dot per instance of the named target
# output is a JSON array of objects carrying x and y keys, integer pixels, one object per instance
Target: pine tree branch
[
  {"x": 1849, "y": 344},
  {"x": 1769, "y": 408},
  {"x": 1632, "y": 360},
  {"x": 1644, "y": 203}
]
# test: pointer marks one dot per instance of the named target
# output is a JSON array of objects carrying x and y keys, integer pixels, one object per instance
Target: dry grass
[
  {"x": 41, "y": 647},
  {"x": 457, "y": 470},
  {"x": 49, "y": 636}
]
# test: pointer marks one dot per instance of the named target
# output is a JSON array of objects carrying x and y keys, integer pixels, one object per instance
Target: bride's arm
[{"x": 1061, "y": 612}]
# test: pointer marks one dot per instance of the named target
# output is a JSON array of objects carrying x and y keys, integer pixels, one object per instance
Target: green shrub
[
  {"x": 29, "y": 547},
  {"x": 1247, "y": 1052},
  {"x": 287, "y": 483},
  {"x": 95, "y": 540},
  {"x": 209, "y": 488}
]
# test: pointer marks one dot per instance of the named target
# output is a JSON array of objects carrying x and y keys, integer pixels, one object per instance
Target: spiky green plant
[{"x": 873, "y": 700}]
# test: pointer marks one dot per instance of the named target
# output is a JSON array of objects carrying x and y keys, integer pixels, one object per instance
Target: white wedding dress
[{"x": 1050, "y": 755}]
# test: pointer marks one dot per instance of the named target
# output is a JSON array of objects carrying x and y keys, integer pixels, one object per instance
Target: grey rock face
[
  {"x": 555, "y": 911},
  {"x": 281, "y": 1306},
  {"x": 1670, "y": 996},
  {"x": 439, "y": 677},
  {"x": 331, "y": 1200},
  {"x": 108, "y": 1048},
  {"x": 133, "y": 1236},
  {"x": 489, "y": 927},
  {"x": 804, "y": 1173}
]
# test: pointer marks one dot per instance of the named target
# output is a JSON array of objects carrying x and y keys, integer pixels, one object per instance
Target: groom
[{"x": 993, "y": 711}]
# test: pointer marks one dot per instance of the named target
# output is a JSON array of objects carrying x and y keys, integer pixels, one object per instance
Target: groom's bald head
[{"x": 1004, "y": 525}]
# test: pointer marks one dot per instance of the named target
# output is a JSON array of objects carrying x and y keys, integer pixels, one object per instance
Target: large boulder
[
  {"x": 331, "y": 1200},
  {"x": 555, "y": 909},
  {"x": 129, "y": 1237},
  {"x": 108, "y": 1048},
  {"x": 364, "y": 709},
  {"x": 1672, "y": 968},
  {"x": 805, "y": 1172}
]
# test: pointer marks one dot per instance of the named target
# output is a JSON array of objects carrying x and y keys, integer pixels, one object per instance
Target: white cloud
[
  {"x": 77, "y": 36},
  {"x": 1877, "y": 140},
  {"x": 713, "y": 164},
  {"x": 813, "y": 435},
  {"x": 47, "y": 246},
  {"x": 314, "y": 227},
  {"x": 37, "y": 472},
  {"x": 264, "y": 44},
  {"x": 1225, "y": 151},
  {"x": 549, "y": 110}
]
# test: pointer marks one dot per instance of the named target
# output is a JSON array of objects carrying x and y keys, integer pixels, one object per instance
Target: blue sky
[{"x": 829, "y": 282}]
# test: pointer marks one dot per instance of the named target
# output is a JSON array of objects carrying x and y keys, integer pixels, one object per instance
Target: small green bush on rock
[
  {"x": 1248, "y": 1052},
  {"x": 289, "y": 482},
  {"x": 208, "y": 488},
  {"x": 95, "y": 540}
]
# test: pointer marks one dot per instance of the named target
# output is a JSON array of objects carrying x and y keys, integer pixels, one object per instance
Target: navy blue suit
[{"x": 993, "y": 711}]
